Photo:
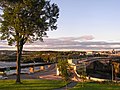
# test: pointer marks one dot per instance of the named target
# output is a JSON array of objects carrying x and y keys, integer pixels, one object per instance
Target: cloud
[
  {"x": 66, "y": 43},
  {"x": 73, "y": 43},
  {"x": 83, "y": 38}
]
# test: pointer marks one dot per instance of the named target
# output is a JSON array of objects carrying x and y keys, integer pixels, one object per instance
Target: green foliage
[
  {"x": 64, "y": 69},
  {"x": 40, "y": 57},
  {"x": 81, "y": 70},
  {"x": 27, "y": 20}
]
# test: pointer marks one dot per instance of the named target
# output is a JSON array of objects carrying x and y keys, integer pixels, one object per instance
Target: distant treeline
[{"x": 44, "y": 56}]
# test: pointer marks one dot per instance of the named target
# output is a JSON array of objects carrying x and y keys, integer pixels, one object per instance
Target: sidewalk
[{"x": 69, "y": 85}]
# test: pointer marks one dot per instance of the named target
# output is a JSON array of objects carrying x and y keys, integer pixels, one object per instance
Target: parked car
[{"x": 2, "y": 77}]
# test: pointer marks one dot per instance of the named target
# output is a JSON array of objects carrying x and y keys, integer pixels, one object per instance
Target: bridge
[
  {"x": 90, "y": 60},
  {"x": 95, "y": 65}
]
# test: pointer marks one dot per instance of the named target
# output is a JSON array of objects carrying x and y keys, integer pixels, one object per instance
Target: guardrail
[{"x": 24, "y": 66}]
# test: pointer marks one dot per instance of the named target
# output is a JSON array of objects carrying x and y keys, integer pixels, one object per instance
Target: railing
[{"x": 24, "y": 66}]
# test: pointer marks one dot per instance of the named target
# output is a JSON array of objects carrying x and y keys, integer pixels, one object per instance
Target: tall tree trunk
[{"x": 18, "y": 66}]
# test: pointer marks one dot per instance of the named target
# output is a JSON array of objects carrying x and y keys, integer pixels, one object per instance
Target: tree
[
  {"x": 64, "y": 69},
  {"x": 82, "y": 71},
  {"x": 115, "y": 69},
  {"x": 25, "y": 21}
]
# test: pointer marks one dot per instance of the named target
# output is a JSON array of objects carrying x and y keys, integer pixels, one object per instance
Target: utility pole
[{"x": 112, "y": 72}]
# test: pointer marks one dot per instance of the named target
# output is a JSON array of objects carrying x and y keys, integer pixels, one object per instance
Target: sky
[
  {"x": 100, "y": 18},
  {"x": 83, "y": 25}
]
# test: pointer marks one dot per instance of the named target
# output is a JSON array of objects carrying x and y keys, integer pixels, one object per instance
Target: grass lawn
[
  {"x": 96, "y": 86},
  {"x": 31, "y": 84}
]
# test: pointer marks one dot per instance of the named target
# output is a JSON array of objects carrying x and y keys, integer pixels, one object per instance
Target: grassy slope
[
  {"x": 30, "y": 85},
  {"x": 96, "y": 86}
]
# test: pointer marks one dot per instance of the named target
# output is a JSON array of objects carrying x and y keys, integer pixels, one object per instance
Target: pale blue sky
[
  {"x": 82, "y": 25},
  {"x": 100, "y": 18}
]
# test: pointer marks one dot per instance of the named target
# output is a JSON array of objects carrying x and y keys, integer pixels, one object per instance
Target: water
[
  {"x": 7, "y": 64},
  {"x": 23, "y": 70}
]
